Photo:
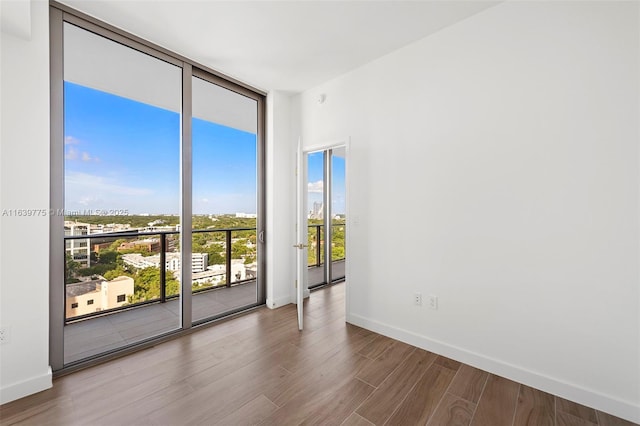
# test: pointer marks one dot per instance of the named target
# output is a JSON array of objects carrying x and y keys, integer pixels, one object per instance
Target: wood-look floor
[{"x": 258, "y": 369}]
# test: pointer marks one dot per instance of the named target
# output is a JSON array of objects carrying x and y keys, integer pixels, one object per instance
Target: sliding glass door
[
  {"x": 315, "y": 219},
  {"x": 156, "y": 196},
  {"x": 225, "y": 199},
  {"x": 121, "y": 193},
  {"x": 338, "y": 221},
  {"x": 326, "y": 216}
]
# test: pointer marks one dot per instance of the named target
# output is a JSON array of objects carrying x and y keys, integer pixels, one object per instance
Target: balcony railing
[
  {"x": 316, "y": 244},
  {"x": 166, "y": 244}
]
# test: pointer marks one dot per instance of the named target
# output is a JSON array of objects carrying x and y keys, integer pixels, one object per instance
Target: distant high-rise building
[
  {"x": 317, "y": 212},
  {"x": 79, "y": 250},
  {"x": 199, "y": 261}
]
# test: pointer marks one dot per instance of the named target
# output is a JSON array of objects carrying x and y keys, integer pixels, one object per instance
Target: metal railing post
[
  {"x": 318, "y": 258},
  {"x": 64, "y": 282},
  {"x": 228, "y": 257},
  {"x": 163, "y": 268}
]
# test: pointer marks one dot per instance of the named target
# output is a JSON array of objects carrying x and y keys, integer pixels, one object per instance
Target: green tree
[
  {"x": 71, "y": 268},
  {"x": 199, "y": 239},
  {"x": 147, "y": 284},
  {"x": 107, "y": 256},
  {"x": 114, "y": 245},
  {"x": 117, "y": 272},
  {"x": 337, "y": 253},
  {"x": 215, "y": 257},
  {"x": 98, "y": 269},
  {"x": 239, "y": 248}
]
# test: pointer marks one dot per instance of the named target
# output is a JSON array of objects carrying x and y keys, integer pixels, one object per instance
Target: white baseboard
[
  {"x": 623, "y": 409},
  {"x": 278, "y": 302},
  {"x": 26, "y": 387},
  {"x": 285, "y": 300}
]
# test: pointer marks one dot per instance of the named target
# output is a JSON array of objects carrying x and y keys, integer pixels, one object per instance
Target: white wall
[
  {"x": 24, "y": 184},
  {"x": 495, "y": 164},
  {"x": 280, "y": 229}
]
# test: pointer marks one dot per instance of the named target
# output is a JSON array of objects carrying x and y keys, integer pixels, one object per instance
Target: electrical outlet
[
  {"x": 417, "y": 299},
  {"x": 4, "y": 335},
  {"x": 432, "y": 301}
]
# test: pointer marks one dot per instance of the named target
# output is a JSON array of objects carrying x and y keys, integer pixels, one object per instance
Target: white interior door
[{"x": 301, "y": 232}]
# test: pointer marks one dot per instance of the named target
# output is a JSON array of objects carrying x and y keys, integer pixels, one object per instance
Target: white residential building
[
  {"x": 80, "y": 249},
  {"x": 247, "y": 215},
  {"x": 97, "y": 295},
  {"x": 199, "y": 261}
]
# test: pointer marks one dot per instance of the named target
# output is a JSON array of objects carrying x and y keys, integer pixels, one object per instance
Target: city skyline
[{"x": 315, "y": 181}]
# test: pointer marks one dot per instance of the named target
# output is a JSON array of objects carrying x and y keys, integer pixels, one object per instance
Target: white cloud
[
  {"x": 316, "y": 187},
  {"x": 79, "y": 185},
  {"x": 70, "y": 140},
  {"x": 87, "y": 201},
  {"x": 87, "y": 157},
  {"x": 71, "y": 154}
]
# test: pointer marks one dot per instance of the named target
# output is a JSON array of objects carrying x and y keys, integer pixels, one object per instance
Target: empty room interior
[{"x": 320, "y": 212}]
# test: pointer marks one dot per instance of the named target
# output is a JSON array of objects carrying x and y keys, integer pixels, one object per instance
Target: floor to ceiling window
[
  {"x": 225, "y": 196},
  {"x": 156, "y": 200},
  {"x": 121, "y": 193}
]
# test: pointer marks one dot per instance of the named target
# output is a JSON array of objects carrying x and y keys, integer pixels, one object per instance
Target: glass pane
[
  {"x": 225, "y": 202},
  {"x": 315, "y": 205},
  {"x": 122, "y": 183},
  {"x": 338, "y": 209}
]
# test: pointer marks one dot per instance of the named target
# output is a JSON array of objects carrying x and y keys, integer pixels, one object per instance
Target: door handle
[
  {"x": 300, "y": 246},
  {"x": 261, "y": 236}
]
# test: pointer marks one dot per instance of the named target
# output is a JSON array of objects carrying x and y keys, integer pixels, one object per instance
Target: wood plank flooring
[{"x": 258, "y": 369}]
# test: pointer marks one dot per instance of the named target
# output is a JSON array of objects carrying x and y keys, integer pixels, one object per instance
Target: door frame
[{"x": 345, "y": 143}]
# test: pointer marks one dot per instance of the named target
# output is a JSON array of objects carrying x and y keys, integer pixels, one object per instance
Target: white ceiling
[{"x": 281, "y": 45}]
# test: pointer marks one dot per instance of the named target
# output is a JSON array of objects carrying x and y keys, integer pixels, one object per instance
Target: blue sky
[
  {"x": 224, "y": 169},
  {"x": 121, "y": 154},
  {"x": 315, "y": 179}
]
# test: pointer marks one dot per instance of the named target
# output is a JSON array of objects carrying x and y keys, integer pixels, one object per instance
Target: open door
[
  {"x": 320, "y": 231},
  {"x": 301, "y": 233}
]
